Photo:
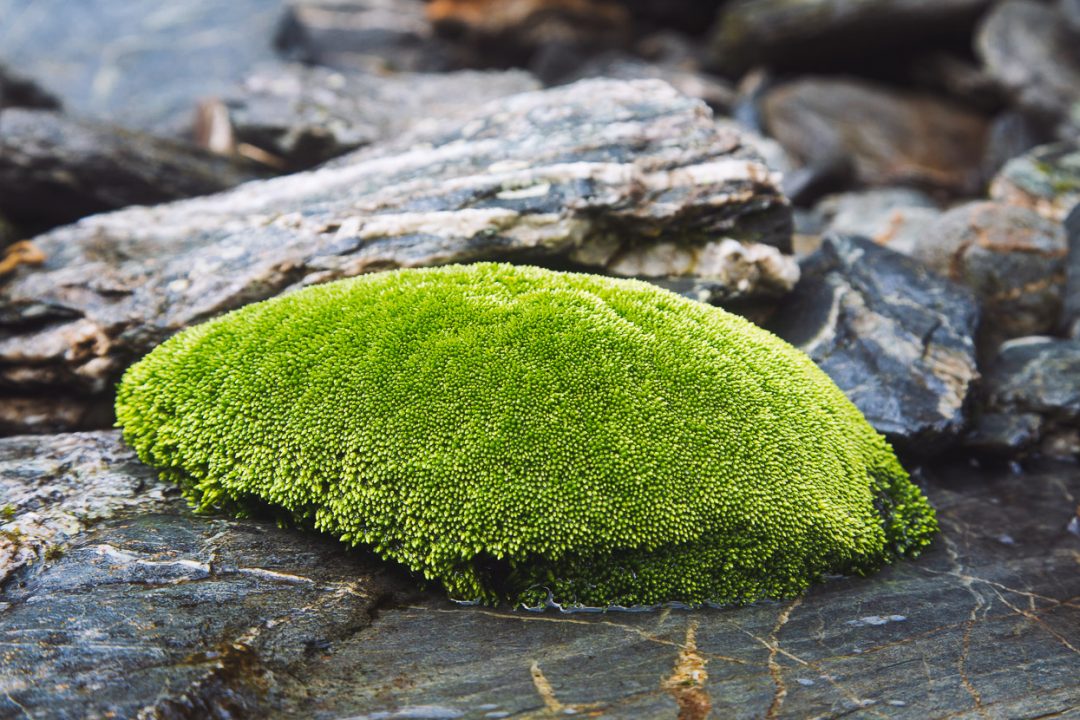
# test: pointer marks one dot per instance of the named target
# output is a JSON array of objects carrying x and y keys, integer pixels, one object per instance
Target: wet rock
[
  {"x": 1047, "y": 180},
  {"x": 891, "y": 137},
  {"x": 120, "y": 602},
  {"x": 1011, "y": 257},
  {"x": 896, "y": 338},
  {"x": 1071, "y": 313},
  {"x": 140, "y": 65},
  {"x": 1033, "y": 380},
  {"x": 153, "y": 610},
  {"x": 301, "y": 116},
  {"x": 897, "y": 218},
  {"x": 369, "y": 36},
  {"x": 17, "y": 91},
  {"x": 56, "y": 169},
  {"x": 809, "y": 33},
  {"x": 584, "y": 174},
  {"x": 1028, "y": 47}
]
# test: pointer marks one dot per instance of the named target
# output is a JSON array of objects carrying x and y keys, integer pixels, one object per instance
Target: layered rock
[
  {"x": 1032, "y": 399},
  {"x": 590, "y": 175},
  {"x": 898, "y": 339},
  {"x": 56, "y": 169}
]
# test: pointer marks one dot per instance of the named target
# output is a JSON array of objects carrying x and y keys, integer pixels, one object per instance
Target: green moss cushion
[{"x": 513, "y": 432}]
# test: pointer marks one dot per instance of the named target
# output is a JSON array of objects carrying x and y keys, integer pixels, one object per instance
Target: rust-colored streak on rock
[{"x": 687, "y": 682}]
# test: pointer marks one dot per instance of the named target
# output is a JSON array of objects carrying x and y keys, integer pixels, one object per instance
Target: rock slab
[
  {"x": 154, "y": 612},
  {"x": 897, "y": 338},
  {"x": 589, "y": 175}
]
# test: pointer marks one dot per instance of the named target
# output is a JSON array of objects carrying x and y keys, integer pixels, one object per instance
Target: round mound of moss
[{"x": 522, "y": 434}]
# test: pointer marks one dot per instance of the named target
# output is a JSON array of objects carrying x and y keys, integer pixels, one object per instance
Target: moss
[{"x": 510, "y": 431}]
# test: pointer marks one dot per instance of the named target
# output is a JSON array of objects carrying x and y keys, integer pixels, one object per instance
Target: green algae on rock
[{"x": 522, "y": 434}]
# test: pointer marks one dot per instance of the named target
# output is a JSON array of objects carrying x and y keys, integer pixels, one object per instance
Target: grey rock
[
  {"x": 152, "y": 611},
  {"x": 369, "y": 36},
  {"x": 55, "y": 169},
  {"x": 1047, "y": 180},
  {"x": 590, "y": 174},
  {"x": 890, "y": 137},
  {"x": 1012, "y": 134},
  {"x": 1040, "y": 377},
  {"x": 1028, "y": 47},
  {"x": 1013, "y": 258},
  {"x": 1070, "y": 10},
  {"x": 794, "y": 33},
  {"x": 303, "y": 116},
  {"x": 137, "y": 64},
  {"x": 897, "y": 218},
  {"x": 1003, "y": 433},
  {"x": 1071, "y": 312},
  {"x": 896, "y": 338}
]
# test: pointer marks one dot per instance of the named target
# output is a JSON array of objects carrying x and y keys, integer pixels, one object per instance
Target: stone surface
[
  {"x": 304, "y": 116},
  {"x": 1030, "y": 49},
  {"x": 1047, "y": 180},
  {"x": 370, "y": 36},
  {"x": 143, "y": 65},
  {"x": 688, "y": 80},
  {"x": 890, "y": 136},
  {"x": 150, "y": 610},
  {"x": 897, "y": 218},
  {"x": 896, "y": 338},
  {"x": 1011, "y": 257},
  {"x": 585, "y": 175},
  {"x": 797, "y": 33},
  {"x": 55, "y": 169},
  {"x": 1036, "y": 381}
]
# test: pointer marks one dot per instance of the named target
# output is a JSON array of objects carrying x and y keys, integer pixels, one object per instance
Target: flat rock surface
[
  {"x": 142, "y": 65},
  {"x": 897, "y": 338},
  {"x": 150, "y": 610},
  {"x": 589, "y": 175}
]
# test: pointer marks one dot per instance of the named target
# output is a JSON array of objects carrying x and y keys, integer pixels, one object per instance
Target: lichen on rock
[{"x": 521, "y": 434}]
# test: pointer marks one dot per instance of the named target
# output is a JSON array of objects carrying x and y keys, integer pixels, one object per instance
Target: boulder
[
  {"x": 1071, "y": 314},
  {"x": 897, "y": 339},
  {"x": 1011, "y": 257},
  {"x": 897, "y": 218},
  {"x": 1031, "y": 399},
  {"x": 299, "y": 116},
  {"x": 589, "y": 175},
  {"x": 890, "y": 136},
  {"x": 1046, "y": 180},
  {"x": 55, "y": 169}
]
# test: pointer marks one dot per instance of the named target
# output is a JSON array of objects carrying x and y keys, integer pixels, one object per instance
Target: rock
[
  {"x": 897, "y": 339},
  {"x": 519, "y": 32},
  {"x": 303, "y": 116},
  {"x": 718, "y": 94},
  {"x": 1070, "y": 10},
  {"x": 1027, "y": 46},
  {"x": 56, "y": 169},
  {"x": 891, "y": 137},
  {"x": 136, "y": 64},
  {"x": 17, "y": 91},
  {"x": 958, "y": 77},
  {"x": 802, "y": 34},
  {"x": 369, "y": 36},
  {"x": 1071, "y": 311},
  {"x": 1047, "y": 180},
  {"x": 895, "y": 217},
  {"x": 1033, "y": 380},
  {"x": 1012, "y": 258},
  {"x": 588, "y": 173},
  {"x": 149, "y": 610},
  {"x": 1011, "y": 134}
]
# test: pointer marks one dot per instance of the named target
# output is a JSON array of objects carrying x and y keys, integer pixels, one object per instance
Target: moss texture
[{"x": 512, "y": 432}]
